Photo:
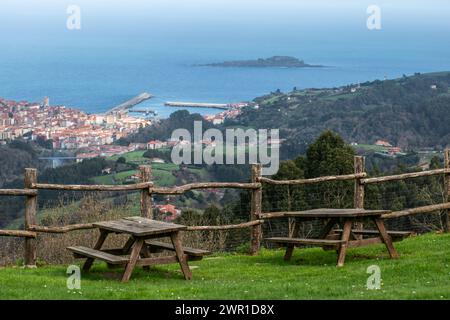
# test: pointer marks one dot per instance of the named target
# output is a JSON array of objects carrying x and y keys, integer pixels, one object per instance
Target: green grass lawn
[{"x": 422, "y": 272}]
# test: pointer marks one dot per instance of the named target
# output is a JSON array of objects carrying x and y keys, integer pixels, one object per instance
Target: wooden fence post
[
  {"x": 358, "y": 200},
  {"x": 445, "y": 213},
  {"x": 145, "y": 174},
  {"x": 256, "y": 204},
  {"x": 30, "y": 218}
]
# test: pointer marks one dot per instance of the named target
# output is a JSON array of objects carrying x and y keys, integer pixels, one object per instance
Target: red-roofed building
[
  {"x": 155, "y": 144},
  {"x": 383, "y": 143},
  {"x": 168, "y": 212}
]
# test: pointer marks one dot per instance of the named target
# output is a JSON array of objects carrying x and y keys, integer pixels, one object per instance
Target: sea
[{"x": 122, "y": 49}]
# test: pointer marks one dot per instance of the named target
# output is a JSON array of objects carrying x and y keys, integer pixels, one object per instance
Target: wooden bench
[
  {"x": 300, "y": 241},
  {"x": 191, "y": 253},
  {"x": 85, "y": 252},
  {"x": 395, "y": 235}
]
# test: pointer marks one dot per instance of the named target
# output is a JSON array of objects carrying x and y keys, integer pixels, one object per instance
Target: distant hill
[
  {"x": 14, "y": 158},
  {"x": 274, "y": 62},
  {"x": 411, "y": 112}
]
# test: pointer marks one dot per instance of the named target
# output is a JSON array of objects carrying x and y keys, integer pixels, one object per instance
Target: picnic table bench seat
[
  {"x": 305, "y": 241},
  {"x": 192, "y": 253},
  {"x": 395, "y": 235},
  {"x": 118, "y": 257},
  {"x": 85, "y": 252}
]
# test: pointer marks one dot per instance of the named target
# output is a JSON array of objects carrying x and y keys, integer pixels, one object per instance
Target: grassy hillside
[
  {"x": 422, "y": 272},
  {"x": 411, "y": 112}
]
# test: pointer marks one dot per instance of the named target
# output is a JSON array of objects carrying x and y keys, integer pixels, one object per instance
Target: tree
[
  {"x": 285, "y": 198},
  {"x": 329, "y": 155},
  {"x": 122, "y": 160},
  {"x": 44, "y": 143},
  {"x": 435, "y": 163}
]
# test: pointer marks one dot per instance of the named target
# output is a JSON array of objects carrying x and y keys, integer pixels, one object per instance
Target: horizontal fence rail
[
  {"x": 313, "y": 180},
  {"x": 226, "y": 227},
  {"x": 93, "y": 187},
  {"x": 424, "y": 209},
  {"x": 65, "y": 229},
  {"x": 406, "y": 176},
  {"x": 18, "y": 192},
  {"x": 270, "y": 215},
  {"x": 206, "y": 185},
  {"x": 18, "y": 233},
  {"x": 147, "y": 189}
]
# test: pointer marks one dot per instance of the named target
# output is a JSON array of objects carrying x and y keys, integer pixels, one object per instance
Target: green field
[
  {"x": 114, "y": 178},
  {"x": 371, "y": 147},
  {"x": 133, "y": 156},
  {"x": 422, "y": 272},
  {"x": 345, "y": 95},
  {"x": 162, "y": 172},
  {"x": 163, "y": 178}
]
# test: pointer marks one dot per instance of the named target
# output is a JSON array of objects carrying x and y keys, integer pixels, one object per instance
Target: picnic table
[
  {"x": 138, "y": 249},
  {"x": 344, "y": 238}
]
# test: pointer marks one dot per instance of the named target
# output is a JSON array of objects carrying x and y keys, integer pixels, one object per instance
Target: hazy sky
[
  {"x": 286, "y": 27},
  {"x": 174, "y": 16}
]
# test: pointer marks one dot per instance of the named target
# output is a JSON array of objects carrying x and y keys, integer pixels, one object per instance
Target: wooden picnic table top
[
  {"x": 335, "y": 213},
  {"x": 139, "y": 226}
]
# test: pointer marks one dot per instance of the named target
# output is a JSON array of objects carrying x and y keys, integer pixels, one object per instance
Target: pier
[
  {"x": 223, "y": 106},
  {"x": 130, "y": 103}
]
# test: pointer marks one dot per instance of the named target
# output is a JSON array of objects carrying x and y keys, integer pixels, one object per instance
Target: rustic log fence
[{"x": 147, "y": 190}]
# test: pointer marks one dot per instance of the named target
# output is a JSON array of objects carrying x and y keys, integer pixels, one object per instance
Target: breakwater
[
  {"x": 222, "y": 106},
  {"x": 130, "y": 103}
]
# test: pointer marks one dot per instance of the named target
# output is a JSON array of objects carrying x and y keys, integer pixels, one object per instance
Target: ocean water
[{"x": 123, "y": 51}]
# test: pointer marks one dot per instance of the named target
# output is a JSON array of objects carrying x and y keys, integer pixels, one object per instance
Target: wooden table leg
[
  {"x": 176, "y": 241},
  {"x": 326, "y": 231},
  {"x": 386, "y": 238},
  {"x": 327, "y": 228},
  {"x": 290, "y": 247},
  {"x": 128, "y": 245},
  {"x": 135, "y": 251},
  {"x": 343, "y": 247},
  {"x": 98, "y": 245},
  {"x": 146, "y": 254}
]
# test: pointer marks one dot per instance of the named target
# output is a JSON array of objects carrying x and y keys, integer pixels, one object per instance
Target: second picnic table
[
  {"x": 137, "y": 250},
  {"x": 327, "y": 236}
]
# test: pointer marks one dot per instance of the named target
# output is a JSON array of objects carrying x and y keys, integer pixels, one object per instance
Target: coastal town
[
  {"x": 87, "y": 135},
  {"x": 67, "y": 128}
]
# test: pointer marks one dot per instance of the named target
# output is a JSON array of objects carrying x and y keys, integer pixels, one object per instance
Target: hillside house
[
  {"x": 383, "y": 143},
  {"x": 157, "y": 160},
  {"x": 155, "y": 144},
  {"x": 394, "y": 150}
]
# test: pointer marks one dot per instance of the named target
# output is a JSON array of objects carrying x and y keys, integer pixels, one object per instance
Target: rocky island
[{"x": 274, "y": 62}]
